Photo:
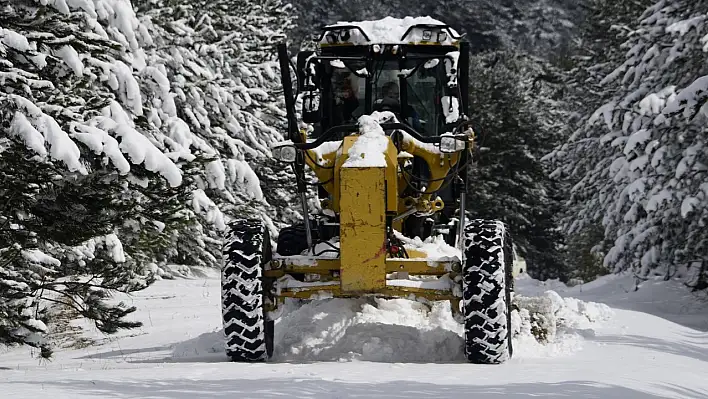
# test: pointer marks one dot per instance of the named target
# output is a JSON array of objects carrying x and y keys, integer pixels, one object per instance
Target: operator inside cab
[
  {"x": 414, "y": 97},
  {"x": 348, "y": 106},
  {"x": 391, "y": 101}
]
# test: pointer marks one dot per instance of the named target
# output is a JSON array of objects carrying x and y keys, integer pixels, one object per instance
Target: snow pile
[
  {"x": 670, "y": 300},
  {"x": 396, "y": 330},
  {"x": 529, "y": 286},
  {"x": 573, "y": 313},
  {"x": 401, "y": 330},
  {"x": 435, "y": 247},
  {"x": 202, "y": 347},
  {"x": 549, "y": 325},
  {"x": 390, "y": 30},
  {"x": 370, "y": 148}
]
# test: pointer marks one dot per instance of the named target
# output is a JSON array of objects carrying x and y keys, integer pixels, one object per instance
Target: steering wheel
[{"x": 394, "y": 108}]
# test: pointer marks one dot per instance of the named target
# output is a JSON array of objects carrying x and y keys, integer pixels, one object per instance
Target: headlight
[
  {"x": 451, "y": 144},
  {"x": 284, "y": 152}
]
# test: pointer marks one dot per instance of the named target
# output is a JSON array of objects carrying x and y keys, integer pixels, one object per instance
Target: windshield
[
  {"x": 348, "y": 93},
  {"x": 412, "y": 90}
]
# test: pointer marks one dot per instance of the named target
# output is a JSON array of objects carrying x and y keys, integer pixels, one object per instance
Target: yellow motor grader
[{"x": 384, "y": 127}]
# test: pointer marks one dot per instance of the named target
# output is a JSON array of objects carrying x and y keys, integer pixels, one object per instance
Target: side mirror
[
  {"x": 308, "y": 82},
  {"x": 284, "y": 152},
  {"x": 307, "y": 71},
  {"x": 451, "y": 68}
]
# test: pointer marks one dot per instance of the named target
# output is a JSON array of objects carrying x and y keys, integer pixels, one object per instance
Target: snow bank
[
  {"x": 549, "y": 325},
  {"x": 670, "y": 300},
  {"x": 574, "y": 313},
  {"x": 527, "y": 285},
  {"x": 207, "y": 345},
  {"x": 395, "y": 330},
  {"x": 401, "y": 330}
]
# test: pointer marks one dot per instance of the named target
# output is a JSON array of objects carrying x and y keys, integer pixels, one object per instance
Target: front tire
[
  {"x": 248, "y": 332},
  {"x": 486, "y": 287}
]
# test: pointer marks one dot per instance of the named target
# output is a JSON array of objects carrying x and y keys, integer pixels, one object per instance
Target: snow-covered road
[{"x": 395, "y": 349}]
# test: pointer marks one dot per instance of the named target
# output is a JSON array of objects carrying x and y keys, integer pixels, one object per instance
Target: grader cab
[{"x": 384, "y": 128}]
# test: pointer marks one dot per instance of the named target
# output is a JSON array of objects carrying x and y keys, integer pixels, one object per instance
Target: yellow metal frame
[
  {"x": 364, "y": 197},
  {"x": 328, "y": 169},
  {"x": 455, "y": 43},
  {"x": 390, "y": 292},
  {"x": 325, "y": 266},
  {"x": 330, "y": 271},
  {"x": 362, "y": 229}
]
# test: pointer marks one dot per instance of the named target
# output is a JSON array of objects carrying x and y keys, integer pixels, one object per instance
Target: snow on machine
[{"x": 384, "y": 127}]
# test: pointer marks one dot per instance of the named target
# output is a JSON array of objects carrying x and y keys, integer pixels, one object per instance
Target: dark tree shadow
[
  {"x": 123, "y": 353},
  {"x": 375, "y": 342}
]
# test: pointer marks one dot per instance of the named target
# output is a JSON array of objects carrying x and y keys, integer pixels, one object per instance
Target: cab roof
[{"x": 390, "y": 31}]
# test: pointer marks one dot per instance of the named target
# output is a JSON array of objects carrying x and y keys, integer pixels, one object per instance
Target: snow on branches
[
  {"x": 115, "y": 121},
  {"x": 640, "y": 162}
]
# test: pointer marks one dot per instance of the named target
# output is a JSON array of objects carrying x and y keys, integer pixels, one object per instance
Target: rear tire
[
  {"x": 486, "y": 287},
  {"x": 249, "y": 333}
]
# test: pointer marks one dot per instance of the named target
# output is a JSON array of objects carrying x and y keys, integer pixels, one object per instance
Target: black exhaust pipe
[
  {"x": 464, "y": 83},
  {"x": 287, "y": 82},
  {"x": 294, "y": 135}
]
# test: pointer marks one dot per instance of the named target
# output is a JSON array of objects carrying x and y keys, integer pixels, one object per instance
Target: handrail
[
  {"x": 326, "y": 136},
  {"x": 354, "y": 128}
]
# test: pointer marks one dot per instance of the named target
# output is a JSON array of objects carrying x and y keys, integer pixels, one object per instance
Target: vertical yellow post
[{"x": 363, "y": 229}]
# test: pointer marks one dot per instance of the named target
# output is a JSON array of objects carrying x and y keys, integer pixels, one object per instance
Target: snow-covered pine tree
[
  {"x": 21, "y": 270},
  {"x": 596, "y": 54},
  {"x": 83, "y": 170},
  {"x": 509, "y": 181},
  {"x": 219, "y": 60},
  {"x": 640, "y": 159}
]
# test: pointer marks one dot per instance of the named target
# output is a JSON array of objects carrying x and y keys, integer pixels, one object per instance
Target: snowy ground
[{"x": 389, "y": 349}]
